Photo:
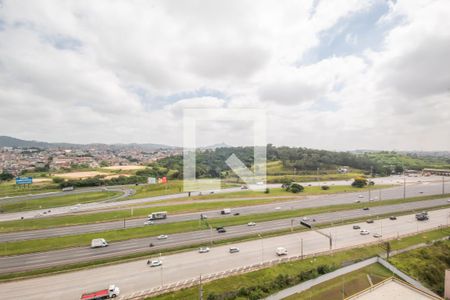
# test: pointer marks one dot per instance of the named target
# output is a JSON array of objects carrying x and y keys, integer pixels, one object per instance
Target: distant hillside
[{"x": 6, "y": 141}]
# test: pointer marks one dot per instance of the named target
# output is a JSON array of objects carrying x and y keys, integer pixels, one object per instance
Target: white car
[
  {"x": 277, "y": 208},
  {"x": 305, "y": 219},
  {"x": 377, "y": 235},
  {"x": 148, "y": 222},
  {"x": 203, "y": 250},
  {"x": 448, "y": 200},
  {"x": 163, "y": 237},
  {"x": 251, "y": 224},
  {"x": 360, "y": 196},
  {"x": 364, "y": 232},
  {"x": 154, "y": 263},
  {"x": 234, "y": 250}
]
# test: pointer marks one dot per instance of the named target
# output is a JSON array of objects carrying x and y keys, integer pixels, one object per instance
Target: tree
[
  {"x": 359, "y": 182},
  {"x": 296, "y": 188},
  {"x": 325, "y": 187},
  {"x": 5, "y": 176}
]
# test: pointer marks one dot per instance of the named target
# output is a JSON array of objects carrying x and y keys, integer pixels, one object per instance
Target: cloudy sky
[{"x": 331, "y": 74}]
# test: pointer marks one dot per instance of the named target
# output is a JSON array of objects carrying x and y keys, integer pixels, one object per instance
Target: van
[
  {"x": 98, "y": 243},
  {"x": 226, "y": 211}
]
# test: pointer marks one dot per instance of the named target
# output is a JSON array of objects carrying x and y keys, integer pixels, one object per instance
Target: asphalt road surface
[
  {"x": 72, "y": 255},
  {"x": 412, "y": 190},
  {"x": 136, "y": 275},
  {"x": 111, "y": 205}
]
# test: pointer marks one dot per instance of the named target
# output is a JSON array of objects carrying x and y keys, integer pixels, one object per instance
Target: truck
[
  {"x": 225, "y": 211},
  {"x": 160, "y": 215},
  {"x": 98, "y": 243},
  {"x": 111, "y": 292},
  {"x": 281, "y": 251}
]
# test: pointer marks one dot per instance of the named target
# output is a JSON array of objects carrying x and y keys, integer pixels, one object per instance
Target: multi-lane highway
[
  {"x": 397, "y": 192},
  {"x": 136, "y": 275},
  {"x": 61, "y": 257},
  {"x": 112, "y": 205}
]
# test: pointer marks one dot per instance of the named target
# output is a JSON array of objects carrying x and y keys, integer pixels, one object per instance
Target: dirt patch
[
  {"x": 79, "y": 175},
  {"x": 125, "y": 168}
]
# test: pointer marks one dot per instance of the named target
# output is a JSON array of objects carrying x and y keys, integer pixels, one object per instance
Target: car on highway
[
  {"x": 163, "y": 237},
  {"x": 280, "y": 251},
  {"x": 305, "y": 219},
  {"x": 221, "y": 230},
  {"x": 364, "y": 232},
  {"x": 369, "y": 221},
  {"x": 154, "y": 263},
  {"x": 148, "y": 222},
  {"x": 365, "y": 208},
  {"x": 203, "y": 250},
  {"x": 234, "y": 250},
  {"x": 360, "y": 196},
  {"x": 448, "y": 200},
  {"x": 236, "y": 214},
  {"x": 356, "y": 227},
  {"x": 251, "y": 224},
  {"x": 357, "y": 201},
  {"x": 277, "y": 208},
  {"x": 393, "y": 218},
  {"x": 377, "y": 235}
]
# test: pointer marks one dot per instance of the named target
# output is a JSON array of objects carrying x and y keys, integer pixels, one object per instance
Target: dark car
[
  {"x": 221, "y": 230},
  {"x": 369, "y": 221},
  {"x": 236, "y": 214},
  {"x": 356, "y": 227},
  {"x": 365, "y": 208},
  {"x": 393, "y": 218}
]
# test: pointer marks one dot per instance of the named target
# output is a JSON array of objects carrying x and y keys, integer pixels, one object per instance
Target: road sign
[{"x": 24, "y": 180}]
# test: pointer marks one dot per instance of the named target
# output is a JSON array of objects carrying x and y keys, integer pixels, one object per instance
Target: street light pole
[
  {"x": 404, "y": 187},
  {"x": 262, "y": 248},
  {"x": 301, "y": 245},
  {"x": 443, "y": 185}
]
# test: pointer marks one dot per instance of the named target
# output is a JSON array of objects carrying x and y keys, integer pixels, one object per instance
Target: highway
[
  {"x": 86, "y": 207},
  {"x": 73, "y": 255},
  {"x": 412, "y": 190},
  {"x": 136, "y": 275}
]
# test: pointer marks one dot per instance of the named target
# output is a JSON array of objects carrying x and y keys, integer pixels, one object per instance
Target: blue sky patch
[{"x": 353, "y": 34}]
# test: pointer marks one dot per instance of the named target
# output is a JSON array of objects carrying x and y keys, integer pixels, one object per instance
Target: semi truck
[
  {"x": 98, "y": 243},
  {"x": 158, "y": 215},
  {"x": 111, "y": 292}
]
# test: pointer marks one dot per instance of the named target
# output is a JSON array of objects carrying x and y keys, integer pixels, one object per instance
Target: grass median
[
  {"x": 83, "y": 240},
  {"x": 13, "y": 205}
]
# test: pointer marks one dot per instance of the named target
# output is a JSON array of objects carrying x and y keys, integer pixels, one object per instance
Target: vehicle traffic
[
  {"x": 99, "y": 243},
  {"x": 161, "y": 215},
  {"x": 251, "y": 224},
  {"x": 280, "y": 251},
  {"x": 162, "y": 237},
  {"x": 364, "y": 232},
  {"x": 234, "y": 250},
  {"x": 356, "y": 227},
  {"x": 225, "y": 211},
  {"x": 154, "y": 263},
  {"x": 111, "y": 292},
  {"x": 203, "y": 250}
]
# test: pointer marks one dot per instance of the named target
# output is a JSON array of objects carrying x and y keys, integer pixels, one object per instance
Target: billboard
[
  {"x": 151, "y": 180},
  {"x": 24, "y": 180}
]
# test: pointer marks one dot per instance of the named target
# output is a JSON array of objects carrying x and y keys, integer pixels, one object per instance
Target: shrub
[{"x": 325, "y": 187}]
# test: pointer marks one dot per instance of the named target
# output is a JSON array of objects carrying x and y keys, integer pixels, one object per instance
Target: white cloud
[{"x": 102, "y": 71}]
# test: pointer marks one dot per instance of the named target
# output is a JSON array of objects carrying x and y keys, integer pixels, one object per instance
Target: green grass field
[
  {"x": 344, "y": 286},
  {"x": 30, "y": 246},
  {"x": 427, "y": 265},
  {"x": 12, "y": 205},
  {"x": 11, "y": 189}
]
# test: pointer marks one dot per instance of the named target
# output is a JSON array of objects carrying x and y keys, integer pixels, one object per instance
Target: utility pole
[
  {"x": 200, "y": 289},
  {"x": 301, "y": 246},
  {"x": 123, "y": 223},
  {"x": 292, "y": 225},
  {"x": 404, "y": 187},
  {"x": 210, "y": 235},
  {"x": 443, "y": 185}
]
